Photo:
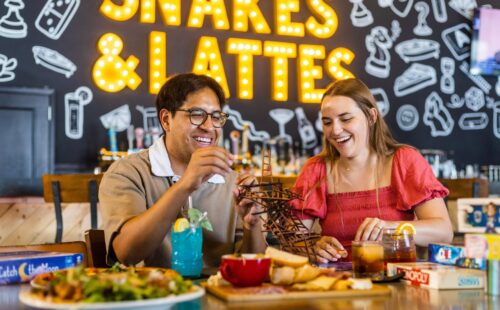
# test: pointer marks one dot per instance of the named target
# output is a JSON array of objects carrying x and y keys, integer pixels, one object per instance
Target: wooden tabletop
[{"x": 402, "y": 297}]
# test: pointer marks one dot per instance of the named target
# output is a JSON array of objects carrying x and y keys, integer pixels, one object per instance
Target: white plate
[{"x": 157, "y": 303}]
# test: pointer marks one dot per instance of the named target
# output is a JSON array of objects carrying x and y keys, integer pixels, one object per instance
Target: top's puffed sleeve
[
  {"x": 413, "y": 179},
  {"x": 311, "y": 186}
]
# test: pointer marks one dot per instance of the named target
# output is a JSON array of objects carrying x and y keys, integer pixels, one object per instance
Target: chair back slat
[{"x": 73, "y": 187}]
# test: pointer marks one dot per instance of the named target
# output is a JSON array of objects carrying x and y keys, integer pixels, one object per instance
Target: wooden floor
[{"x": 33, "y": 222}]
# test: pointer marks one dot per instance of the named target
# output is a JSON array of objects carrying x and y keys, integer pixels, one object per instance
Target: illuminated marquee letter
[
  {"x": 244, "y": 10},
  {"x": 157, "y": 61},
  {"x": 216, "y": 8},
  {"x": 283, "y": 23},
  {"x": 121, "y": 12},
  {"x": 280, "y": 52},
  {"x": 112, "y": 73},
  {"x": 308, "y": 72},
  {"x": 326, "y": 29},
  {"x": 245, "y": 50},
  {"x": 208, "y": 61},
  {"x": 333, "y": 60},
  {"x": 170, "y": 9}
]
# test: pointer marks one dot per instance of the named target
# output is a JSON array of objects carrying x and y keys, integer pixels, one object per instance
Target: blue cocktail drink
[{"x": 187, "y": 251}]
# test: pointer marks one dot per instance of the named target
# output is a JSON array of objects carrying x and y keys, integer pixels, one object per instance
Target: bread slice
[
  {"x": 306, "y": 273},
  {"x": 322, "y": 283},
  {"x": 283, "y": 258},
  {"x": 282, "y": 275}
]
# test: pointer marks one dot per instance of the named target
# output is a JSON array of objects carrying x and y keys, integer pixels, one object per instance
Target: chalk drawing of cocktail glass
[{"x": 282, "y": 116}]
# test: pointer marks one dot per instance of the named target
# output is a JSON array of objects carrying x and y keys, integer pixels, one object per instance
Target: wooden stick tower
[{"x": 278, "y": 216}]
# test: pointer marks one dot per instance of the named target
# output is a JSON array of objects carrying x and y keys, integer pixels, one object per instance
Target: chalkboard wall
[{"x": 395, "y": 43}]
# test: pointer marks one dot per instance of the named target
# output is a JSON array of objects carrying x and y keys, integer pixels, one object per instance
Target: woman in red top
[{"x": 364, "y": 181}]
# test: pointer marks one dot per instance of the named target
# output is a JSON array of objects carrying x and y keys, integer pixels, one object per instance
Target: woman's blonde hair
[{"x": 380, "y": 138}]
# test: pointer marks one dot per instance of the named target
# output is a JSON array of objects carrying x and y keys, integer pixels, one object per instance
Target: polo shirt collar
[{"x": 161, "y": 167}]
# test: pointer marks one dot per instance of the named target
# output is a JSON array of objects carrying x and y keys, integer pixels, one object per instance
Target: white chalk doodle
[
  {"x": 12, "y": 25},
  {"x": 382, "y": 101},
  {"x": 319, "y": 123},
  {"x": 473, "y": 121},
  {"x": 447, "y": 82},
  {"x": 282, "y": 116},
  {"x": 378, "y": 42},
  {"x": 117, "y": 119},
  {"x": 496, "y": 119},
  {"x": 238, "y": 123},
  {"x": 306, "y": 130},
  {"x": 401, "y": 7},
  {"x": 456, "y": 102},
  {"x": 464, "y": 7},
  {"x": 54, "y": 61},
  {"x": 422, "y": 29},
  {"x": 55, "y": 17},
  {"x": 416, "y": 77},
  {"x": 149, "y": 117},
  {"x": 7, "y": 66},
  {"x": 417, "y": 49},
  {"x": 474, "y": 98},
  {"x": 437, "y": 117},
  {"x": 439, "y": 10},
  {"x": 477, "y": 79},
  {"x": 360, "y": 15},
  {"x": 407, "y": 117},
  {"x": 73, "y": 111},
  {"x": 497, "y": 86},
  {"x": 457, "y": 39}
]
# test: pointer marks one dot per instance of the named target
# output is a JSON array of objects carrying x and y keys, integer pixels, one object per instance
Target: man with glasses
[{"x": 142, "y": 195}]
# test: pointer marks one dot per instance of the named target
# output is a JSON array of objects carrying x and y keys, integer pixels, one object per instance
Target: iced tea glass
[
  {"x": 399, "y": 247},
  {"x": 368, "y": 259}
]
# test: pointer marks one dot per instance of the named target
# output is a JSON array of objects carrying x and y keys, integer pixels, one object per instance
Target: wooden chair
[
  {"x": 65, "y": 188},
  {"x": 96, "y": 247},
  {"x": 64, "y": 247}
]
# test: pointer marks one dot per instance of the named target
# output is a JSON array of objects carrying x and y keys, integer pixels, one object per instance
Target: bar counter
[{"x": 402, "y": 297}]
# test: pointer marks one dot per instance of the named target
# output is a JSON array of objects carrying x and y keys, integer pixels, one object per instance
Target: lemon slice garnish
[
  {"x": 181, "y": 224},
  {"x": 407, "y": 228}
]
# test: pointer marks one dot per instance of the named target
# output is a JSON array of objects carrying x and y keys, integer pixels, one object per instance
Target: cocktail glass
[
  {"x": 399, "y": 247},
  {"x": 368, "y": 259},
  {"x": 187, "y": 256}
]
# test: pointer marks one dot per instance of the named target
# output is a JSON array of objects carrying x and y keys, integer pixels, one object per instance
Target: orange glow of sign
[
  {"x": 308, "y": 72},
  {"x": 245, "y": 49},
  {"x": 333, "y": 60},
  {"x": 280, "y": 52},
  {"x": 216, "y": 8},
  {"x": 245, "y": 10},
  {"x": 284, "y": 25},
  {"x": 170, "y": 9},
  {"x": 328, "y": 27},
  {"x": 157, "y": 61}
]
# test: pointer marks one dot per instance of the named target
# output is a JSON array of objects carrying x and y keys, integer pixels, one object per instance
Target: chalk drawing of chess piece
[
  {"x": 474, "y": 98},
  {"x": 447, "y": 82},
  {"x": 239, "y": 123},
  {"x": 456, "y": 102},
  {"x": 439, "y": 10},
  {"x": 378, "y": 43},
  {"x": 401, "y": 7},
  {"x": 55, "y": 17},
  {"x": 473, "y": 121},
  {"x": 306, "y": 130},
  {"x": 407, "y": 117},
  {"x": 319, "y": 123},
  {"x": 149, "y": 117},
  {"x": 360, "y": 15},
  {"x": 422, "y": 29},
  {"x": 7, "y": 67},
  {"x": 382, "y": 100},
  {"x": 73, "y": 111},
  {"x": 464, "y": 7},
  {"x": 437, "y": 117},
  {"x": 282, "y": 116},
  {"x": 12, "y": 25},
  {"x": 117, "y": 119}
]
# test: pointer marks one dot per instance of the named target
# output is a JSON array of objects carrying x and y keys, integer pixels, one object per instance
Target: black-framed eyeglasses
[{"x": 199, "y": 116}]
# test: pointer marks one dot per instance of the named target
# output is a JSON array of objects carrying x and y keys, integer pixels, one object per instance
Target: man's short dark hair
[{"x": 178, "y": 87}]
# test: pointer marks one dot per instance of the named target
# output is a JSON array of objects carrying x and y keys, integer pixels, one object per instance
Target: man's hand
[
  {"x": 204, "y": 163},
  {"x": 246, "y": 207}
]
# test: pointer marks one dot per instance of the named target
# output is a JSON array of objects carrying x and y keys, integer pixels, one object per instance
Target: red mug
[{"x": 245, "y": 270}]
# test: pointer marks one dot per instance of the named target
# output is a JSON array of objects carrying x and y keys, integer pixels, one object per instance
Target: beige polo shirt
[{"x": 133, "y": 184}]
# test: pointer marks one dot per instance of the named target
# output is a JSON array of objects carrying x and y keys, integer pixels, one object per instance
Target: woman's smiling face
[{"x": 345, "y": 126}]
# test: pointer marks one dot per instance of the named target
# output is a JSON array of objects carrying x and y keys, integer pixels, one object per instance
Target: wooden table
[{"x": 402, "y": 297}]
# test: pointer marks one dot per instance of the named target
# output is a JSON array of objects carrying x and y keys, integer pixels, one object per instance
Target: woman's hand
[
  {"x": 371, "y": 229},
  {"x": 329, "y": 249}
]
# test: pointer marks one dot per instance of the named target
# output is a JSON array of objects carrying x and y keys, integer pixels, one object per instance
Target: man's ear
[
  {"x": 165, "y": 119},
  {"x": 373, "y": 116}
]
